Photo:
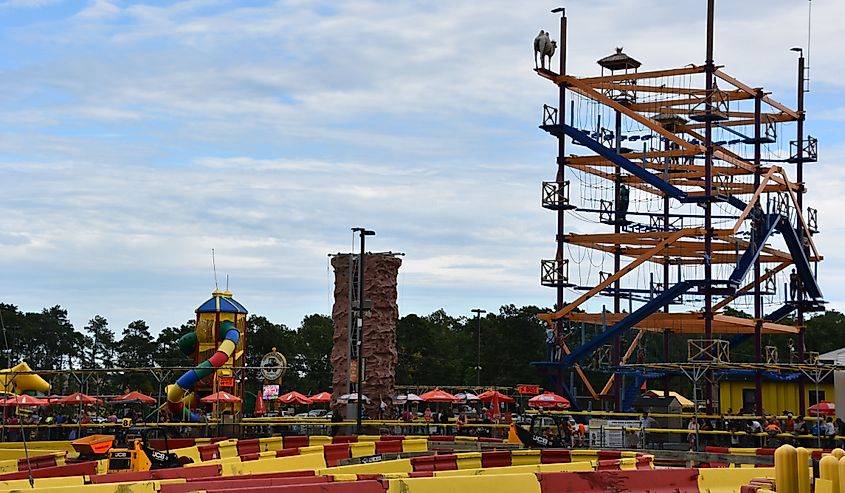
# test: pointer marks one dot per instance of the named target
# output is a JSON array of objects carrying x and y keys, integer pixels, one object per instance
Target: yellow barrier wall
[
  {"x": 730, "y": 480},
  {"x": 530, "y": 469},
  {"x": 384, "y": 467},
  {"x": 505, "y": 483},
  {"x": 292, "y": 463}
]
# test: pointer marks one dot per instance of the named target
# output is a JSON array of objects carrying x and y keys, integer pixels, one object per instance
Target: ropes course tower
[{"x": 685, "y": 174}]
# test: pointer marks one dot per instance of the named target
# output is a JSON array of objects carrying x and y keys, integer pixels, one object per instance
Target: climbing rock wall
[{"x": 380, "y": 272}]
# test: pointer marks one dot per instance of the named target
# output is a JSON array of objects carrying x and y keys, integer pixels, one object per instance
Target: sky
[{"x": 135, "y": 137}]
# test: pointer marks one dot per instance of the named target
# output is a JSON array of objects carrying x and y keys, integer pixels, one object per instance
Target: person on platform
[
  {"x": 646, "y": 423},
  {"x": 794, "y": 285},
  {"x": 550, "y": 344}
]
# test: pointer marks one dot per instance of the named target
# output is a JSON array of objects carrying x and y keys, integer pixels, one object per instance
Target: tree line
[{"x": 434, "y": 349}]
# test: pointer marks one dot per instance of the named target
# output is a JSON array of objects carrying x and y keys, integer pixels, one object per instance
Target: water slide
[
  {"x": 18, "y": 383},
  {"x": 188, "y": 344}
]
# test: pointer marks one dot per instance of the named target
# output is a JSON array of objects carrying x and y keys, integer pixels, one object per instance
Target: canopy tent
[
  {"x": 823, "y": 408},
  {"x": 549, "y": 400},
  {"x": 321, "y": 398},
  {"x": 24, "y": 400},
  {"x": 353, "y": 397},
  {"x": 466, "y": 397},
  {"x": 76, "y": 398},
  {"x": 134, "y": 396},
  {"x": 490, "y": 395},
  {"x": 221, "y": 397},
  {"x": 294, "y": 397},
  {"x": 438, "y": 395},
  {"x": 683, "y": 401}
]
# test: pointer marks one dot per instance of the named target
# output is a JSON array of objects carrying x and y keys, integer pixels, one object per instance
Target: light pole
[
  {"x": 363, "y": 232},
  {"x": 478, "y": 312}
]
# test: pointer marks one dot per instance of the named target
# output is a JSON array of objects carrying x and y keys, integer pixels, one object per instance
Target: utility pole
[
  {"x": 359, "y": 428},
  {"x": 478, "y": 312}
]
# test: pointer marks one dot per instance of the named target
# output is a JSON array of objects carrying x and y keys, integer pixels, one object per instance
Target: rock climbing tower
[
  {"x": 380, "y": 315},
  {"x": 694, "y": 181}
]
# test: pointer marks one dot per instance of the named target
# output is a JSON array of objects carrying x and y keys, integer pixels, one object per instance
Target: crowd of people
[
  {"x": 769, "y": 431},
  {"x": 61, "y": 425}
]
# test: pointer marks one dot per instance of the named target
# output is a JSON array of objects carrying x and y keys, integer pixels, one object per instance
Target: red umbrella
[
  {"x": 259, "y": 405},
  {"x": 491, "y": 394},
  {"x": 76, "y": 398},
  {"x": 438, "y": 395},
  {"x": 294, "y": 397},
  {"x": 822, "y": 408},
  {"x": 24, "y": 400},
  {"x": 321, "y": 398},
  {"x": 135, "y": 396},
  {"x": 221, "y": 397},
  {"x": 550, "y": 400}
]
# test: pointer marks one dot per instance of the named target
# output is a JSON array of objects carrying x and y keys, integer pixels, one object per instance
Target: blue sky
[{"x": 135, "y": 137}]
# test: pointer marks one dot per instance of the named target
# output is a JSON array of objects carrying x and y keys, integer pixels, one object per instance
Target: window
[
  {"x": 816, "y": 396},
  {"x": 749, "y": 400}
]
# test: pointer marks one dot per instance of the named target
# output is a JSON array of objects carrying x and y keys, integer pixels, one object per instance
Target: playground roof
[{"x": 221, "y": 302}]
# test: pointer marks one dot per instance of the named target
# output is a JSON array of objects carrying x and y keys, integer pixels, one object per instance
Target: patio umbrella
[
  {"x": 221, "y": 397},
  {"x": 24, "y": 400},
  {"x": 76, "y": 398},
  {"x": 294, "y": 397},
  {"x": 438, "y": 395},
  {"x": 549, "y": 400},
  {"x": 466, "y": 397},
  {"x": 822, "y": 408},
  {"x": 353, "y": 397},
  {"x": 259, "y": 406},
  {"x": 321, "y": 398},
  {"x": 490, "y": 395},
  {"x": 135, "y": 396}
]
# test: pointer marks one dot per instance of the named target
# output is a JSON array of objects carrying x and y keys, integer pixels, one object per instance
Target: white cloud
[{"x": 142, "y": 136}]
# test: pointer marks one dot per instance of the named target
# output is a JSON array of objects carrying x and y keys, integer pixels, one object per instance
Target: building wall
[{"x": 777, "y": 396}]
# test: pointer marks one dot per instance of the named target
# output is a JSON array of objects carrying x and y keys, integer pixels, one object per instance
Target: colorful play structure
[
  {"x": 20, "y": 379},
  {"x": 217, "y": 346}
]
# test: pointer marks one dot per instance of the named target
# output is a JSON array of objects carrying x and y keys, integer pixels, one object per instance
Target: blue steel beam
[
  {"x": 802, "y": 265},
  {"x": 755, "y": 248},
  {"x": 610, "y": 155},
  {"x": 629, "y": 321}
]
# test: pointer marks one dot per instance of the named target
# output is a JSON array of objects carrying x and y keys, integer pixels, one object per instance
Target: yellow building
[{"x": 736, "y": 395}]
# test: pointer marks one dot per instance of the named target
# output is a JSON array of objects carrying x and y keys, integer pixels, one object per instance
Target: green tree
[
  {"x": 314, "y": 348},
  {"x": 135, "y": 350},
  {"x": 264, "y": 335},
  {"x": 167, "y": 351},
  {"x": 101, "y": 345}
]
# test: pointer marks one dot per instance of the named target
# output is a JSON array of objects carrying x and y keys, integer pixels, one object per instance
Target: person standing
[{"x": 550, "y": 343}]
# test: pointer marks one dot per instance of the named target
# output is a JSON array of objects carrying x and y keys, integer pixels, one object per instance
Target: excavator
[{"x": 134, "y": 454}]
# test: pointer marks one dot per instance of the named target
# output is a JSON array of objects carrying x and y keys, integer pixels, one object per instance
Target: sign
[
  {"x": 610, "y": 433},
  {"x": 270, "y": 392},
  {"x": 528, "y": 389},
  {"x": 371, "y": 459},
  {"x": 273, "y": 366},
  {"x": 227, "y": 382}
]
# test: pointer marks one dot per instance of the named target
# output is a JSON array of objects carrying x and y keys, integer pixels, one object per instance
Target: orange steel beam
[
  {"x": 692, "y": 69},
  {"x": 766, "y": 99},
  {"x": 656, "y": 106},
  {"x": 688, "y": 323},
  {"x": 763, "y": 180},
  {"x": 594, "y": 159},
  {"x": 565, "y": 348},
  {"x": 619, "y": 274},
  {"x": 770, "y": 273},
  {"x": 624, "y": 360},
  {"x": 576, "y": 85}
]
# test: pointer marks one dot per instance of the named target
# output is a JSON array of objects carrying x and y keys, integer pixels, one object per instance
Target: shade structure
[
  {"x": 24, "y": 400},
  {"x": 76, "y": 398},
  {"x": 549, "y": 400},
  {"x": 823, "y": 408},
  {"x": 294, "y": 397},
  {"x": 490, "y": 395},
  {"x": 259, "y": 406},
  {"x": 438, "y": 395},
  {"x": 135, "y": 396},
  {"x": 221, "y": 397},
  {"x": 405, "y": 398},
  {"x": 321, "y": 398},
  {"x": 353, "y": 397},
  {"x": 466, "y": 397},
  {"x": 683, "y": 401}
]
